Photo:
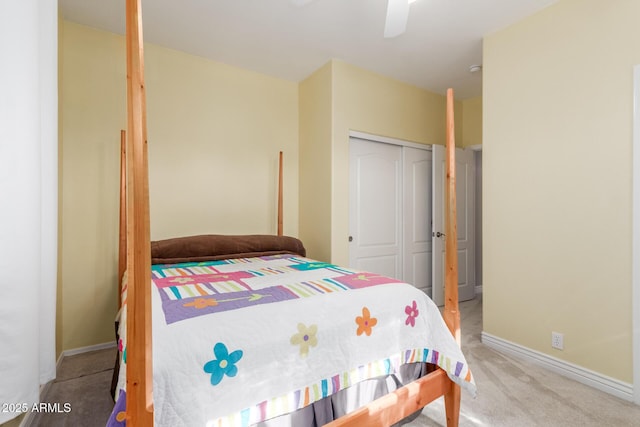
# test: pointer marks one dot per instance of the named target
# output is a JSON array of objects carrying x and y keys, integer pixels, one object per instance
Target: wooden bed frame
[{"x": 135, "y": 254}]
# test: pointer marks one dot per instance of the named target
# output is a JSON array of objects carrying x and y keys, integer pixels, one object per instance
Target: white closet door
[
  {"x": 465, "y": 200},
  {"x": 375, "y": 207},
  {"x": 417, "y": 216}
]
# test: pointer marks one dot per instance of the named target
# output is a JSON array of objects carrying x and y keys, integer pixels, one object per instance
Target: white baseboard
[
  {"x": 80, "y": 350},
  {"x": 582, "y": 375}
]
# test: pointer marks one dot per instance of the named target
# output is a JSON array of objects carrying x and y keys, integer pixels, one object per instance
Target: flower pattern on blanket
[
  {"x": 305, "y": 338},
  {"x": 201, "y": 303},
  {"x": 412, "y": 312},
  {"x": 306, "y": 333},
  {"x": 365, "y": 322},
  {"x": 189, "y": 290},
  {"x": 223, "y": 364}
]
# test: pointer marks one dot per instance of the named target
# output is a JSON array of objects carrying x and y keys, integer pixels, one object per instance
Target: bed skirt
[{"x": 341, "y": 403}]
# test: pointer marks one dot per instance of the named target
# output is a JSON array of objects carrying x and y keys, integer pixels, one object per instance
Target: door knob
[{"x": 439, "y": 234}]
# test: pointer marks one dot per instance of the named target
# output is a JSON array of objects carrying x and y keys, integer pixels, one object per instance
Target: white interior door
[
  {"x": 375, "y": 209},
  {"x": 417, "y": 170},
  {"x": 465, "y": 200}
]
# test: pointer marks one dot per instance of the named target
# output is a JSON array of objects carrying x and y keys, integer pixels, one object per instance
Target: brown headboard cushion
[{"x": 214, "y": 246}]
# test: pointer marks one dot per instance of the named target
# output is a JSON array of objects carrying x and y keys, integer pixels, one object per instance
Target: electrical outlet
[{"x": 557, "y": 340}]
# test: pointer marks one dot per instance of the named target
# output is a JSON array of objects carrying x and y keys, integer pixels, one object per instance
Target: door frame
[
  {"x": 635, "y": 233},
  {"x": 388, "y": 140},
  {"x": 428, "y": 147}
]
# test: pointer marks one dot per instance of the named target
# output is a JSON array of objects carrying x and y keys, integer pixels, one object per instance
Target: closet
[
  {"x": 390, "y": 210},
  {"x": 396, "y": 195}
]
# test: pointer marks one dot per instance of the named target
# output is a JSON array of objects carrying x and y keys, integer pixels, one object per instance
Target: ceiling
[{"x": 290, "y": 39}]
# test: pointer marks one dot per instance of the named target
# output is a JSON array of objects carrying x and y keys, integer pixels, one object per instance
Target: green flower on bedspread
[
  {"x": 223, "y": 364},
  {"x": 305, "y": 337}
]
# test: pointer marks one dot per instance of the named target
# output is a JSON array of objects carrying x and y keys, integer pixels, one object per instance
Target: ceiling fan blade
[
  {"x": 397, "y": 15},
  {"x": 300, "y": 3}
]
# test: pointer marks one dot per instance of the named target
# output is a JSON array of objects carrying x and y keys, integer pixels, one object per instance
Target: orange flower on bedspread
[
  {"x": 202, "y": 303},
  {"x": 305, "y": 338},
  {"x": 365, "y": 322}
]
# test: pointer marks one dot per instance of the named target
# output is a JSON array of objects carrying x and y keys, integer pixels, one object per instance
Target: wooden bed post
[
  {"x": 139, "y": 388},
  {"x": 395, "y": 406},
  {"x": 139, "y": 410},
  {"x": 280, "y": 195},
  {"x": 122, "y": 241},
  {"x": 451, "y": 313}
]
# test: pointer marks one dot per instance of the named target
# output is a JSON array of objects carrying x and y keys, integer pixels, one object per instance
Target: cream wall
[
  {"x": 557, "y": 182},
  {"x": 92, "y": 98},
  {"x": 214, "y": 135},
  {"x": 374, "y": 104},
  {"x": 366, "y": 102},
  {"x": 215, "y": 132},
  {"x": 315, "y": 105},
  {"x": 472, "y": 123}
]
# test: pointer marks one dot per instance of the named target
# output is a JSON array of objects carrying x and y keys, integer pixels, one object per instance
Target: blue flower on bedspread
[{"x": 223, "y": 364}]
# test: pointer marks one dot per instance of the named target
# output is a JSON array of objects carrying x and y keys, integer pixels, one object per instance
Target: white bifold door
[{"x": 392, "y": 203}]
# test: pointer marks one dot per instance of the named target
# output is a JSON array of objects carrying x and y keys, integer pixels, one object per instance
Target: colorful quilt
[{"x": 239, "y": 341}]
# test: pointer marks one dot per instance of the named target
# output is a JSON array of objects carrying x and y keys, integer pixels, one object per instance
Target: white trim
[
  {"x": 635, "y": 233},
  {"x": 388, "y": 140},
  {"x": 582, "y": 375},
  {"x": 80, "y": 350},
  {"x": 476, "y": 147}
]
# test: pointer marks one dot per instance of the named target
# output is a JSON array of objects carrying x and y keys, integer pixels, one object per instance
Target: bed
[
  {"x": 288, "y": 332},
  {"x": 245, "y": 330}
]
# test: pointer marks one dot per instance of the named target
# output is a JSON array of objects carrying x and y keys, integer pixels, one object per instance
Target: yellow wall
[
  {"x": 315, "y": 160},
  {"x": 214, "y": 135},
  {"x": 92, "y": 113},
  {"x": 215, "y": 132},
  {"x": 557, "y": 182},
  {"x": 334, "y": 100},
  {"x": 371, "y": 103},
  {"x": 472, "y": 122}
]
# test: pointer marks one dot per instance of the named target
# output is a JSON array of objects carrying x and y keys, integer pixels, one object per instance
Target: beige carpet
[
  {"x": 511, "y": 392},
  {"x": 515, "y": 393},
  {"x": 84, "y": 382}
]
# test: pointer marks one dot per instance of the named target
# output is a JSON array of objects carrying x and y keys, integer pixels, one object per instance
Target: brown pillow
[{"x": 214, "y": 246}]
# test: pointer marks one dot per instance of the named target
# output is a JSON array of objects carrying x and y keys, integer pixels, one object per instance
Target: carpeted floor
[
  {"x": 84, "y": 382},
  {"x": 515, "y": 393},
  {"x": 511, "y": 392}
]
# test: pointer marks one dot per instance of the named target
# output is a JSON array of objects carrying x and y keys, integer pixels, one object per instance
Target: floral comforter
[{"x": 239, "y": 341}]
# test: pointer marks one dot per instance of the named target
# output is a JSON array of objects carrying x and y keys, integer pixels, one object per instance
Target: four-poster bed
[{"x": 279, "y": 288}]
